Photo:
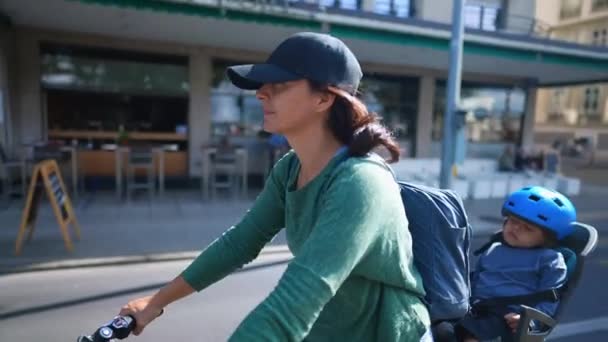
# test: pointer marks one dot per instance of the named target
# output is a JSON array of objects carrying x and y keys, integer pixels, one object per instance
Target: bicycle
[{"x": 119, "y": 328}]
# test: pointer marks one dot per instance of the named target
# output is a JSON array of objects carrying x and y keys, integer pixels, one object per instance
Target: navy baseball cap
[{"x": 307, "y": 55}]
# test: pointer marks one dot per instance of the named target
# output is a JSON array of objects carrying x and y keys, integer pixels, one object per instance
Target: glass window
[
  {"x": 590, "y": 104},
  {"x": 65, "y": 71},
  {"x": 481, "y": 17},
  {"x": 490, "y": 16},
  {"x": 600, "y": 37},
  {"x": 349, "y": 4},
  {"x": 570, "y": 9},
  {"x": 395, "y": 100},
  {"x": 595, "y": 37},
  {"x": 103, "y": 89},
  {"x": 557, "y": 105},
  {"x": 234, "y": 111},
  {"x": 494, "y": 114},
  {"x": 3, "y": 123},
  {"x": 399, "y": 8},
  {"x": 472, "y": 15},
  {"x": 344, "y": 4},
  {"x": 557, "y": 101},
  {"x": 599, "y": 5}
]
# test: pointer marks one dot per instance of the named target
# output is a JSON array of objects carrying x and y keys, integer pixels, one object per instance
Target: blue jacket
[{"x": 507, "y": 271}]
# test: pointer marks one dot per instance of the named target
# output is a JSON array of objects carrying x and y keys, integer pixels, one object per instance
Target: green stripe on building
[{"x": 355, "y": 32}]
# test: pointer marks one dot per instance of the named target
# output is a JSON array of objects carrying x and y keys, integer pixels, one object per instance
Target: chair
[
  {"x": 224, "y": 172},
  {"x": 575, "y": 249},
  {"x": 7, "y": 167},
  {"x": 582, "y": 242},
  {"x": 141, "y": 158},
  {"x": 54, "y": 152}
]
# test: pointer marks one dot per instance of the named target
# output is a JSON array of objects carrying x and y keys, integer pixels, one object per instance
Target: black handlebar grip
[{"x": 120, "y": 327}]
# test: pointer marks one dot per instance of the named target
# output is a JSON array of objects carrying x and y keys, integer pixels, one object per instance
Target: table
[{"x": 65, "y": 148}]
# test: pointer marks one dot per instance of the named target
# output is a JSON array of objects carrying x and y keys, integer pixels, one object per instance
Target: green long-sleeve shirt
[{"x": 352, "y": 277}]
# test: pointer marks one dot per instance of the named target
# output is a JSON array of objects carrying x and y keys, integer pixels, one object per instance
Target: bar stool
[
  {"x": 224, "y": 173},
  {"x": 141, "y": 158}
]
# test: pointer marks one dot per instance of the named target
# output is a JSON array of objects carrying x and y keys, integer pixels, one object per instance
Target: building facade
[
  {"x": 82, "y": 71},
  {"x": 579, "y": 111}
]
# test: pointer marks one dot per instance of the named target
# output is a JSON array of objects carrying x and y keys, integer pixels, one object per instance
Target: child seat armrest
[{"x": 525, "y": 334}]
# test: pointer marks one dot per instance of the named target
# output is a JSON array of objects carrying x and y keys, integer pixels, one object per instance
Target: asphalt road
[{"x": 60, "y": 305}]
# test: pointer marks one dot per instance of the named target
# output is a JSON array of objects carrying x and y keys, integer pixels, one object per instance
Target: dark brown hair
[{"x": 354, "y": 126}]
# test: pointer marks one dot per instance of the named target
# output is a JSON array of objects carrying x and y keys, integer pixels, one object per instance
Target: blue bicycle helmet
[{"x": 542, "y": 207}]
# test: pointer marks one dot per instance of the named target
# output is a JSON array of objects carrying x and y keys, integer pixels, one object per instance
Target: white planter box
[
  {"x": 569, "y": 186},
  {"x": 461, "y": 187},
  {"x": 500, "y": 187},
  {"x": 516, "y": 182},
  {"x": 551, "y": 182},
  {"x": 480, "y": 189}
]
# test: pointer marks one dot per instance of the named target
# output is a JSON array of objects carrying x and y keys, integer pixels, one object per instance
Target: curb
[{"x": 117, "y": 261}]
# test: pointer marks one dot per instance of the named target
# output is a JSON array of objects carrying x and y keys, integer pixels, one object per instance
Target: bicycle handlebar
[{"x": 120, "y": 327}]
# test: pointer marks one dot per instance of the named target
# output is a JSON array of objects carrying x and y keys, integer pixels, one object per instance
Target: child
[{"x": 536, "y": 218}]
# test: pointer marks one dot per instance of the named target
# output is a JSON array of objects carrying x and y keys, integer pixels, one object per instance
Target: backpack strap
[
  {"x": 532, "y": 299},
  {"x": 496, "y": 237}
]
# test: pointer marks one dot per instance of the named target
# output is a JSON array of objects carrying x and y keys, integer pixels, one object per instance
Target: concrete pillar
[
  {"x": 604, "y": 103},
  {"x": 527, "y": 129},
  {"x": 29, "y": 114},
  {"x": 424, "y": 121},
  {"x": 544, "y": 99},
  {"x": 585, "y": 8},
  {"x": 5, "y": 48},
  {"x": 199, "y": 113}
]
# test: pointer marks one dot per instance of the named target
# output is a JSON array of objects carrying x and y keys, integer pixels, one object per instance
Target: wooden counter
[
  {"x": 110, "y": 135},
  {"x": 103, "y": 163}
]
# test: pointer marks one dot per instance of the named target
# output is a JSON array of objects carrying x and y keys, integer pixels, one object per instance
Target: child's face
[{"x": 518, "y": 233}]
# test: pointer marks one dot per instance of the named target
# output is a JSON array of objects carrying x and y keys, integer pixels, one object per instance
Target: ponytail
[{"x": 354, "y": 126}]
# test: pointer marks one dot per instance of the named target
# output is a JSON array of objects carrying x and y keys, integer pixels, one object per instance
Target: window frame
[
  {"x": 599, "y": 5},
  {"x": 571, "y": 14},
  {"x": 591, "y": 101}
]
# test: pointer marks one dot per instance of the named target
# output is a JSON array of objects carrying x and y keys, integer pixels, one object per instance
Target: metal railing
[
  {"x": 388, "y": 10},
  {"x": 526, "y": 25}
]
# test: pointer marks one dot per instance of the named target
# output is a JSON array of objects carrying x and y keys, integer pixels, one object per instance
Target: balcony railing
[
  {"x": 526, "y": 25},
  {"x": 476, "y": 17}
]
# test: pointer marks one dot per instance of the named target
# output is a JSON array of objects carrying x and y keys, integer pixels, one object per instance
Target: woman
[{"x": 352, "y": 277}]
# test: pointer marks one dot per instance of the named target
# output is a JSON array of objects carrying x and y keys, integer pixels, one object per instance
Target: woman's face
[{"x": 292, "y": 106}]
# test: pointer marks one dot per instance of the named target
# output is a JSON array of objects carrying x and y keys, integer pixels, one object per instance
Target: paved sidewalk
[
  {"x": 175, "y": 227},
  {"x": 179, "y": 225}
]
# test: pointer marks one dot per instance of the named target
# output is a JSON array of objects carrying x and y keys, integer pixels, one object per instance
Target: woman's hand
[
  {"x": 146, "y": 309},
  {"x": 512, "y": 320},
  {"x": 143, "y": 312}
]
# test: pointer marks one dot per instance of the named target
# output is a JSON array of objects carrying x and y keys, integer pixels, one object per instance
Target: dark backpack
[{"x": 441, "y": 237}]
